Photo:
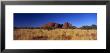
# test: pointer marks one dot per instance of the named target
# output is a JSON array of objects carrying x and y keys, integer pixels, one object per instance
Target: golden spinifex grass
[{"x": 56, "y": 34}]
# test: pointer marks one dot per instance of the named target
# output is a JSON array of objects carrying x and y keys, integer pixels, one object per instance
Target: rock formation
[
  {"x": 56, "y": 25},
  {"x": 67, "y": 25}
]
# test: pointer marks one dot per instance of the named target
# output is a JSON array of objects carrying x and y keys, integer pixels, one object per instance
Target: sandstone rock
[
  {"x": 66, "y": 25},
  {"x": 56, "y": 25}
]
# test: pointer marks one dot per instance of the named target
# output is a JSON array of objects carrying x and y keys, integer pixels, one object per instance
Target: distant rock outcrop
[
  {"x": 67, "y": 25},
  {"x": 51, "y": 24},
  {"x": 56, "y": 25}
]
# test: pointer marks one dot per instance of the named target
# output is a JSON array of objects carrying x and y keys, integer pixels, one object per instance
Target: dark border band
[
  {"x": 53, "y": 3},
  {"x": 2, "y": 26}
]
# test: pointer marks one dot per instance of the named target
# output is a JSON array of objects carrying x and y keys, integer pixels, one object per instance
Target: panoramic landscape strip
[{"x": 55, "y": 26}]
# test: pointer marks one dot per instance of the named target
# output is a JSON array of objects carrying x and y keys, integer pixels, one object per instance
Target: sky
[{"x": 39, "y": 19}]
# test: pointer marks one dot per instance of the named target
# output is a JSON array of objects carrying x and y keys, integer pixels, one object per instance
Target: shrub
[{"x": 50, "y": 28}]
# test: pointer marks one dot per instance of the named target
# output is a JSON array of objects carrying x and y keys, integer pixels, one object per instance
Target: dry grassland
[{"x": 56, "y": 34}]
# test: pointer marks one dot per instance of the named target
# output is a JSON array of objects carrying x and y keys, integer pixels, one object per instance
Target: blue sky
[{"x": 39, "y": 19}]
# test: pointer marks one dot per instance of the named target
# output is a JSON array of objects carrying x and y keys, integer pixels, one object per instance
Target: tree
[{"x": 60, "y": 25}]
